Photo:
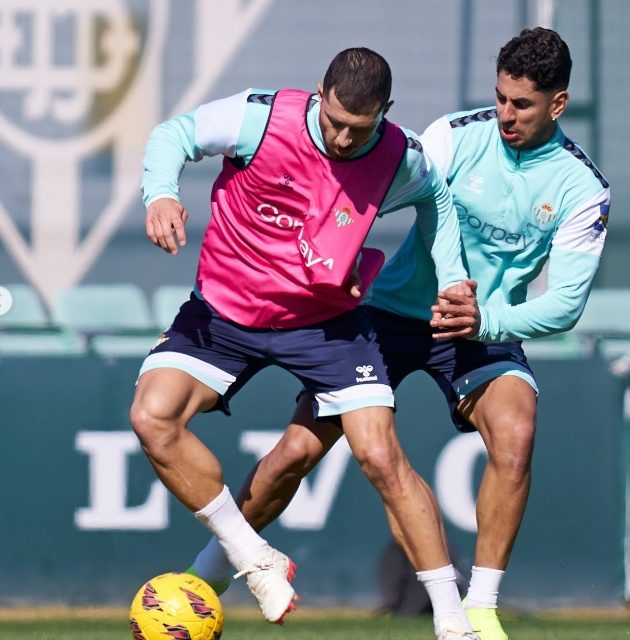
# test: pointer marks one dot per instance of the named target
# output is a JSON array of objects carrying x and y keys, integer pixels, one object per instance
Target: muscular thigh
[
  {"x": 371, "y": 432},
  {"x": 500, "y": 406},
  {"x": 466, "y": 370},
  {"x": 205, "y": 356},
  {"x": 172, "y": 394}
]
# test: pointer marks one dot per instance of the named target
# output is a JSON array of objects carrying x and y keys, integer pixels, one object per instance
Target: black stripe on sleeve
[
  {"x": 414, "y": 143},
  {"x": 572, "y": 148},
  {"x": 261, "y": 98},
  {"x": 480, "y": 116}
]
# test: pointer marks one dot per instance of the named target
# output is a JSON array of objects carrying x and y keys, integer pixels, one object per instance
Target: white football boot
[{"x": 269, "y": 580}]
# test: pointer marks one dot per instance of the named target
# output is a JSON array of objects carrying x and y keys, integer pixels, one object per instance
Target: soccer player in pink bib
[{"x": 303, "y": 178}]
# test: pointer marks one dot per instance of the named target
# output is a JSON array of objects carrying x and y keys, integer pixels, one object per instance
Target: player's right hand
[
  {"x": 456, "y": 312},
  {"x": 165, "y": 222}
]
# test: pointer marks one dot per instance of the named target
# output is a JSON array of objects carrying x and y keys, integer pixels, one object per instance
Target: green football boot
[{"x": 486, "y": 623}]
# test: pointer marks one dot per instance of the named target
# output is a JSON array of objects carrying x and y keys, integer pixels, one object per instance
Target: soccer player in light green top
[{"x": 526, "y": 196}]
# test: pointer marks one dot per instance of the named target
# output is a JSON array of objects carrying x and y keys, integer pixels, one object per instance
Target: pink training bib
[{"x": 285, "y": 231}]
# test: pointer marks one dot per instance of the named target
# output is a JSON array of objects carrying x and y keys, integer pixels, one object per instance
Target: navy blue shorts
[
  {"x": 458, "y": 366},
  {"x": 337, "y": 361}
]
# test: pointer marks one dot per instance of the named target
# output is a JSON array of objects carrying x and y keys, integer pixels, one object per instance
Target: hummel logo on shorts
[{"x": 366, "y": 369}]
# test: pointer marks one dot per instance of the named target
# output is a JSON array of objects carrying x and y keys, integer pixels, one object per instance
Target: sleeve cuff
[
  {"x": 443, "y": 287},
  {"x": 483, "y": 324},
  {"x": 159, "y": 197}
]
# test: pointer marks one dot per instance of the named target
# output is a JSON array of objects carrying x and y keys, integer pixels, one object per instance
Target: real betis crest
[
  {"x": 544, "y": 213},
  {"x": 343, "y": 217}
]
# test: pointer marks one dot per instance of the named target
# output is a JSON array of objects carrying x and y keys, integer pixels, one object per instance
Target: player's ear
[
  {"x": 559, "y": 104},
  {"x": 388, "y": 106},
  {"x": 320, "y": 91}
]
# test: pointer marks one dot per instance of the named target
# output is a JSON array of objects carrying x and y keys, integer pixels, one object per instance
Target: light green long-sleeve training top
[{"x": 517, "y": 211}]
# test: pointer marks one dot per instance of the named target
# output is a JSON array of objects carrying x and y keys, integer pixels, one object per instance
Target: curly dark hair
[
  {"x": 362, "y": 80},
  {"x": 538, "y": 54}
]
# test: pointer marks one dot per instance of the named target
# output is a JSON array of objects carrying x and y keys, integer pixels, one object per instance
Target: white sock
[
  {"x": 212, "y": 564},
  {"x": 242, "y": 545},
  {"x": 441, "y": 586},
  {"x": 483, "y": 591}
]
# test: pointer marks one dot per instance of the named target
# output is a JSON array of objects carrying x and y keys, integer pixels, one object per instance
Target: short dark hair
[
  {"x": 361, "y": 79},
  {"x": 539, "y": 54}
]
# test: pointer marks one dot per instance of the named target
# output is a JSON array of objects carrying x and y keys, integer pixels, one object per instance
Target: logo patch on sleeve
[{"x": 598, "y": 233}]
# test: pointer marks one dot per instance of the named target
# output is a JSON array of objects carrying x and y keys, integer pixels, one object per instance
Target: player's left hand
[{"x": 456, "y": 312}]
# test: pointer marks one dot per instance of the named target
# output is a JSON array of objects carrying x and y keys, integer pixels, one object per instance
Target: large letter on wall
[{"x": 108, "y": 452}]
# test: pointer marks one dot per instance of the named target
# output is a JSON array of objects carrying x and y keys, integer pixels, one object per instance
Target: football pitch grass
[{"x": 66, "y": 624}]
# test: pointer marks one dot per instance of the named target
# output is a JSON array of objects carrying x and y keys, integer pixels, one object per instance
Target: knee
[
  {"x": 152, "y": 424},
  {"x": 295, "y": 455},
  {"x": 372, "y": 437},
  {"x": 511, "y": 443},
  {"x": 383, "y": 465}
]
